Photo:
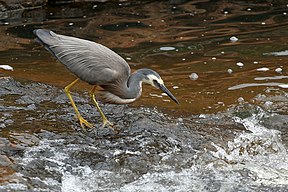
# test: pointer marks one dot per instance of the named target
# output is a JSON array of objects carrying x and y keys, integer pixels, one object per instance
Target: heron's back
[{"x": 90, "y": 61}]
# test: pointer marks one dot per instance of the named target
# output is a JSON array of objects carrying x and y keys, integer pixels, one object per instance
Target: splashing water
[{"x": 260, "y": 150}]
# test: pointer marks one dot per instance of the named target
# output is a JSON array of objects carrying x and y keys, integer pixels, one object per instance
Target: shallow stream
[{"x": 225, "y": 61}]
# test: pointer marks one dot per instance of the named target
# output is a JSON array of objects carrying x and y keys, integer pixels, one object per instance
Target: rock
[
  {"x": 48, "y": 149},
  {"x": 5, "y": 161}
]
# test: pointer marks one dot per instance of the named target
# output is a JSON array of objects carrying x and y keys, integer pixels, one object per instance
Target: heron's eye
[{"x": 155, "y": 82}]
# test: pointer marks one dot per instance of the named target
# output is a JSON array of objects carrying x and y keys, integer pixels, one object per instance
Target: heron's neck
[{"x": 134, "y": 84}]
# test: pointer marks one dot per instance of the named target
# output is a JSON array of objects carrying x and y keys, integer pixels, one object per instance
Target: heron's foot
[
  {"x": 106, "y": 122},
  {"x": 84, "y": 123}
]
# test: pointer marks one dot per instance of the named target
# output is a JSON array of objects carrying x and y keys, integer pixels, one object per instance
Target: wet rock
[
  {"x": 5, "y": 161},
  {"x": 25, "y": 139},
  {"x": 45, "y": 143},
  {"x": 9, "y": 149},
  {"x": 278, "y": 122}
]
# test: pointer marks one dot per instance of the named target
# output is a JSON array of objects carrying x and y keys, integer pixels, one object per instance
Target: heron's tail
[{"x": 46, "y": 38}]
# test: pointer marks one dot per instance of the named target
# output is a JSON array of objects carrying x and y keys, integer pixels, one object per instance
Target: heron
[{"x": 99, "y": 66}]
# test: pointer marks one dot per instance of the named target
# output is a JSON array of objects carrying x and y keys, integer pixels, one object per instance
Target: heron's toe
[
  {"x": 106, "y": 122},
  {"x": 84, "y": 123}
]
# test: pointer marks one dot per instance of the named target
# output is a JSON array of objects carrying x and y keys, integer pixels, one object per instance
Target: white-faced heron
[{"x": 99, "y": 66}]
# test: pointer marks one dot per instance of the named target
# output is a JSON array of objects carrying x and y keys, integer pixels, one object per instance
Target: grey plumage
[
  {"x": 98, "y": 65},
  {"x": 91, "y": 62}
]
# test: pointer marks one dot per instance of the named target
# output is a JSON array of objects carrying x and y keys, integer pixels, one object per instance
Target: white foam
[
  {"x": 6, "y": 67},
  {"x": 263, "y": 69},
  {"x": 260, "y": 151},
  {"x": 240, "y": 64},
  {"x": 283, "y": 86},
  {"x": 167, "y": 48},
  {"x": 245, "y": 85},
  {"x": 233, "y": 39}
]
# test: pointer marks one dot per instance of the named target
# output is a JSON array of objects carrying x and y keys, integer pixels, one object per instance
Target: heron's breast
[{"x": 108, "y": 97}]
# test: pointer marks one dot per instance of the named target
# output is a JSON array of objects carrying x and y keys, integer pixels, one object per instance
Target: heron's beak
[{"x": 165, "y": 90}]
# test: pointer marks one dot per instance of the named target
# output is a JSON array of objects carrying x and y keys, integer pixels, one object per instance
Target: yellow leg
[
  {"x": 82, "y": 121},
  {"x": 105, "y": 120}
]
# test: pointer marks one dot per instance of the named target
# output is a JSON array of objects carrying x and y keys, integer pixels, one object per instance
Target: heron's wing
[{"x": 91, "y": 62}]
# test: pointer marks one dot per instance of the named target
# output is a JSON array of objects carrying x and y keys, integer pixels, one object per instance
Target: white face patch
[{"x": 151, "y": 78}]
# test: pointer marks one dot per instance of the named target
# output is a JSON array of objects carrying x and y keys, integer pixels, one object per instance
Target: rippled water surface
[
  {"x": 176, "y": 38},
  {"x": 225, "y": 61}
]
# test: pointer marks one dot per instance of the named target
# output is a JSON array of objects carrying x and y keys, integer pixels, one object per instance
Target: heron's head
[{"x": 153, "y": 78}]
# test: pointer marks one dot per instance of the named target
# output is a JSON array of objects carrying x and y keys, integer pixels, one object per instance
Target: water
[
  {"x": 226, "y": 62},
  {"x": 183, "y": 38}
]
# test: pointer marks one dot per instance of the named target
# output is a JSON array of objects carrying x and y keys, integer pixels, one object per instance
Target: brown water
[{"x": 196, "y": 33}]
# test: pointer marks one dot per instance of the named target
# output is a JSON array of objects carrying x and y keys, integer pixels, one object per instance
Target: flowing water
[{"x": 225, "y": 61}]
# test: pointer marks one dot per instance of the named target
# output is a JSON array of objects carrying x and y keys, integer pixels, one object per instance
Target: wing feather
[{"x": 90, "y": 61}]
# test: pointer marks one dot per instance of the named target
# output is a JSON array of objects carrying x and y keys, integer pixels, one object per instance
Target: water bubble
[
  {"x": 240, "y": 64},
  {"x": 193, "y": 76},
  {"x": 213, "y": 58},
  {"x": 155, "y": 95},
  {"x": 268, "y": 103},
  {"x": 183, "y": 59},
  {"x": 220, "y": 103},
  {"x": 167, "y": 48},
  {"x": 240, "y": 100},
  {"x": 263, "y": 23},
  {"x": 70, "y": 24},
  {"x": 233, "y": 39},
  {"x": 175, "y": 87},
  {"x": 263, "y": 69},
  {"x": 278, "y": 70},
  {"x": 255, "y": 62},
  {"x": 94, "y": 6},
  {"x": 229, "y": 71},
  {"x": 249, "y": 9},
  {"x": 202, "y": 116},
  {"x": 285, "y": 86},
  {"x": 6, "y": 67}
]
